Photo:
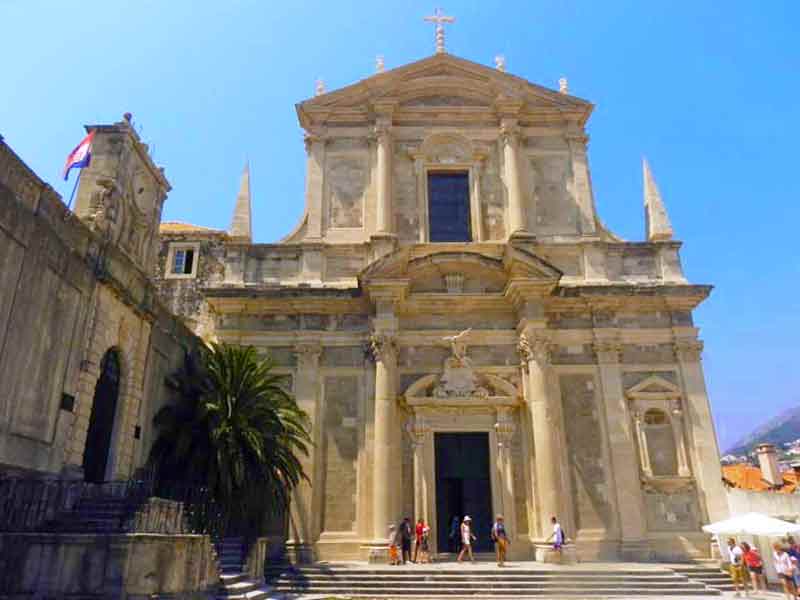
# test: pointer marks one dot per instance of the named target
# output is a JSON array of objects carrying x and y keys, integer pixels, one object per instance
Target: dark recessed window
[
  {"x": 183, "y": 261},
  {"x": 448, "y": 206}
]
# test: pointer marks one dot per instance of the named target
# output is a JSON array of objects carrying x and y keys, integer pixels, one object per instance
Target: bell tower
[{"x": 122, "y": 192}]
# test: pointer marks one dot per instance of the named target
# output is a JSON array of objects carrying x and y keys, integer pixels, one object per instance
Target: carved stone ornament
[
  {"x": 532, "y": 348},
  {"x": 688, "y": 350},
  {"x": 607, "y": 351},
  {"x": 383, "y": 346},
  {"x": 308, "y": 353}
]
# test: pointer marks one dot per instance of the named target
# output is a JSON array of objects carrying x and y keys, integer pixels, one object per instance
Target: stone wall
[
  {"x": 67, "y": 296},
  {"x": 131, "y": 566}
]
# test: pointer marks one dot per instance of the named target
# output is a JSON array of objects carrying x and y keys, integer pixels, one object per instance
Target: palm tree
[{"x": 234, "y": 431}]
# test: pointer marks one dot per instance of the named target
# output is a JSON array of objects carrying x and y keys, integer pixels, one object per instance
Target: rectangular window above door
[{"x": 448, "y": 206}]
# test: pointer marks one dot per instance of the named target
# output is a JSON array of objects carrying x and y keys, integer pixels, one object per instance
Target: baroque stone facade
[{"x": 572, "y": 350}]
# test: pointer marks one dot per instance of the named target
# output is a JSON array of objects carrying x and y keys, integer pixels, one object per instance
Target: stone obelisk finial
[
  {"x": 563, "y": 85},
  {"x": 500, "y": 63},
  {"x": 319, "y": 89},
  {"x": 440, "y": 19},
  {"x": 379, "y": 64},
  {"x": 657, "y": 225},
  {"x": 241, "y": 223}
]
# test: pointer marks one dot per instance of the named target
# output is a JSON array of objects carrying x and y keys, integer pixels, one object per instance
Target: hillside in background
[{"x": 778, "y": 430}]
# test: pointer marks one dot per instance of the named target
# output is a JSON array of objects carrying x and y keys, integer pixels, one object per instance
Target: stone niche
[
  {"x": 347, "y": 180},
  {"x": 556, "y": 211}
]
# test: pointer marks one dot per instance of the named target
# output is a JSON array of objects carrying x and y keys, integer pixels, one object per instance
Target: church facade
[{"x": 466, "y": 335}]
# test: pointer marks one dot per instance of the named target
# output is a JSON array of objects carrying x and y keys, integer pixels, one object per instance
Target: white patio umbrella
[{"x": 752, "y": 524}]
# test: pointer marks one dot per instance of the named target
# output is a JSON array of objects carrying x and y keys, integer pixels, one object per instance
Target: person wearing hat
[
  {"x": 500, "y": 539},
  {"x": 466, "y": 539}
]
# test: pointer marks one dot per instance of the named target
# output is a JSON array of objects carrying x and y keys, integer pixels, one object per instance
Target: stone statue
[{"x": 458, "y": 344}]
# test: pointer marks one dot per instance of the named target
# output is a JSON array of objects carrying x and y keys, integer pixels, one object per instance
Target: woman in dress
[{"x": 466, "y": 539}]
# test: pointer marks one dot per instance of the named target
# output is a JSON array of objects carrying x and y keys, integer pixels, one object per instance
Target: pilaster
[
  {"x": 509, "y": 140},
  {"x": 504, "y": 429},
  {"x": 315, "y": 182},
  {"x": 577, "y": 140},
  {"x": 705, "y": 452},
  {"x": 306, "y": 506}
]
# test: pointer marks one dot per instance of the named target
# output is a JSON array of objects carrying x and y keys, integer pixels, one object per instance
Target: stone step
[
  {"x": 558, "y": 591},
  {"x": 446, "y": 580}
]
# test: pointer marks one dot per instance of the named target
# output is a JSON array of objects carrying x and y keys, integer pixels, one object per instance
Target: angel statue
[{"x": 458, "y": 343}]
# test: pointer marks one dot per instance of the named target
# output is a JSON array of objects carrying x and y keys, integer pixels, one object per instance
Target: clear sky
[{"x": 707, "y": 90}]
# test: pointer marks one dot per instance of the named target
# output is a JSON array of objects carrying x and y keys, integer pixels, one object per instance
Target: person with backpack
[
  {"x": 755, "y": 565},
  {"x": 500, "y": 539}
]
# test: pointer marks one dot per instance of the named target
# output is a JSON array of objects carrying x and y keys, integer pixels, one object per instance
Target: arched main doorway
[{"x": 101, "y": 421}]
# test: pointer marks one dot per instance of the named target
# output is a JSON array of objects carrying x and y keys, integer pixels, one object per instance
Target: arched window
[{"x": 660, "y": 443}]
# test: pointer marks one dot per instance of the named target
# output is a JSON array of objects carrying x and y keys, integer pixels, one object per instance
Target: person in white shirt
[
  {"x": 466, "y": 539},
  {"x": 557, "y": 535},
  {"x": 736, "y": 570},
  {"x": 785, "y": 567}
]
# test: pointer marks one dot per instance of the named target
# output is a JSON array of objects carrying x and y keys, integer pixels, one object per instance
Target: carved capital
[
  {"x": 504, "y": 427},
  {"x": 310, "y": 138},
  {"x": 608, "y": 352},
  {"x": 688, "y": 350},
  {"x": 534, "y": 348},
  {"x": 308, "y": 354},
  {"x": 382, "y": 132},
  {"x": 383, "y": 346},
  {"x": 416, "y": 428},
  {"x": 510, "y": 133}
]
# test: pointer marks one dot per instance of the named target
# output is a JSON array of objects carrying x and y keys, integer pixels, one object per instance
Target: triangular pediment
[
  {"x": 652, "y": 387},
  {"x": 439, "y": 82}
]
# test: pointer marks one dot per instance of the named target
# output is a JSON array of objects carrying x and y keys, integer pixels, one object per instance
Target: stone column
[
  {"x": 534, "y": 348},
  {"x": 417, "y": 430},
  {"x": 315, "y": 177},
  {"x": 384, "y": 350},
  {"x": 504, "y": 430},
  {"x": 641, "y": 438},
  {"x": 705, "y": 453},
  {"x": 305, "y": 510},
  {"x": 383, "y": 221},
  {"x": 577, "y": 139},
  {"x": 622, "y": 446},
  {"x": 680, "y": 445},
  {"x": 509, "y": 137},
  {"x": 475, "y": 200},
  {"x": 422, "y": 201}
]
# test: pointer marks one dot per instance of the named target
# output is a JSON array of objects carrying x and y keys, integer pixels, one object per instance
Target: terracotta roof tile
[
  {"x": 178, "y": 227},
  {"x": 747, "y": 477}
]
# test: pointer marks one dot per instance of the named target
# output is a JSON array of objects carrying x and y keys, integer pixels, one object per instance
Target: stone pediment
[
  {"x": 653, "y": 387},
  {"x": 438, "y": 82}
]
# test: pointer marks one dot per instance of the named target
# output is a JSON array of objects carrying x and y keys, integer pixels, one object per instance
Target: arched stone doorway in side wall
[{"x": 101, "y": 421}]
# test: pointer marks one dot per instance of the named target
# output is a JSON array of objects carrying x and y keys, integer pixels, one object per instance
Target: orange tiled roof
[
  {"x": 178, "y": 227},
  {"x": 747, "y": 477}
]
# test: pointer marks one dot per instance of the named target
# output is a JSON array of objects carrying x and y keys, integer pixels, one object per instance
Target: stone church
[{"x": 466, "y": 335}]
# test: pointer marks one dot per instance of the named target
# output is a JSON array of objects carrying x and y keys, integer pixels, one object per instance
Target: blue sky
[{"x": 707, "y": 90}]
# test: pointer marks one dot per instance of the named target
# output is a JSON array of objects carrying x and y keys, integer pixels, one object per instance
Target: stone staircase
[
  {"x": 234, "y": 583},
  {"x": 102, "y": 514},
  {"x": 707, "y": 573},
  {"x": 484, "y": 581}
]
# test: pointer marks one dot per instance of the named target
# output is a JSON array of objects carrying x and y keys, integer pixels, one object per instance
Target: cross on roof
[{"x": 440, "y": 19}]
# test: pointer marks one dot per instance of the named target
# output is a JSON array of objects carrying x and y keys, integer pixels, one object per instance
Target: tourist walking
[
  {"x": 755, "y": 565},
  {"x": 736, "y": 570},
  {"x": 454, "y": 537},
  {"x": 500, "y": 539},
  {"x": 394, "y": 555},
  {"x": 793, "y": 551},
  {"x": 425, "y": 555},
  {"x": 785, "y": 567},
  {"x": 418, "y": 529},
  {"x": 466, "y": 539},
  {"x": 404, "y": 534},
  {"x": 557, "y": 535}
]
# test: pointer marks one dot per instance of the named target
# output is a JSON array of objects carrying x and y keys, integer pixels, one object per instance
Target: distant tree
[{"x": 234, "y": 430}]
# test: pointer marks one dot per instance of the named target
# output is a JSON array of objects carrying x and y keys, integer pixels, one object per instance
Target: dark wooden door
[
  {"x": 101, "y": 421},
  {"x": 463, "y": 487}
]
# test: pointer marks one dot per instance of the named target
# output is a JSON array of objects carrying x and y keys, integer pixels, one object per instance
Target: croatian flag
[{"x": 80, "y": 157}]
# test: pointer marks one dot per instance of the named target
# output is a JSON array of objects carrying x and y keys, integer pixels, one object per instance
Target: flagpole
[{"x": 74, "y": 187}]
